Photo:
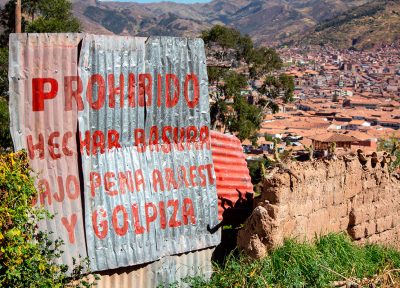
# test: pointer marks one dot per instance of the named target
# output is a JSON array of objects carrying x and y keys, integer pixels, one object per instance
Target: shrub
[
  {"x": 392, "y": 146},
  {"x": 27, "y": 255},
  {"x": 5, "y": 136}
]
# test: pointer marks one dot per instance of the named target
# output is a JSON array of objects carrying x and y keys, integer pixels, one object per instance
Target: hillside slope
[
  {"x": 267, "y": 21},
  {"x": 342, "y": 23},
  {"x": 368, "y": 26}
]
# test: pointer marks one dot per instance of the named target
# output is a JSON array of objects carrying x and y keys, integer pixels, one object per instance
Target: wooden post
[{"x": 18, "y": 16}]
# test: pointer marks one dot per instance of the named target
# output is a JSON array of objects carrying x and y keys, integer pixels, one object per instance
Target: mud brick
[
  {"x": 336, "y": 212},
  {"x": 301, "y": 228},
  {"x": 334, "y": 225},
  {"x": 357, "y": 200},
  {"x": 343, "y": 210},
  {"x": 374, "y": 239},
  {"x": 358, "y": 232},
  {"x": 338, "y": 197},
  {"x": 369, "y": 212},
  {"x": 383, "y": 208},
  {"x": 276, "y": 195},
  {"x": 302, "y": 210},
  {"x": 288, "y": 227},
  {"x": 368, "y": 196},
  {"x": 319, "y": 221},
  {"x": 329, "y": 197},
  {"x": 274, "y": 211},
  {"x": 370, "y": 228},
  {"x": 344, "y": 223},
  {"x": 323, "y": 201},
  {"x": 387, "y": 237},
  {"x": 396, "y": 218},
  {"x": 383, "y": 224},
  {"x": 351, "y": 190},
  {"x": 357, "y": 216}
]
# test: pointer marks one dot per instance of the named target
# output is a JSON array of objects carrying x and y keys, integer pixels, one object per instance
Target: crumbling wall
[{"x": 319, "y": 197}]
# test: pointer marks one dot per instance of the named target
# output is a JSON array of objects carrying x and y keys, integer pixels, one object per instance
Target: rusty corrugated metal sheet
[
  {"x": 38, "y": 65},
  {"x": 230, "y": 168},
  {"x": 169, "y": 269},
  {"x": 151, "y": 221}
]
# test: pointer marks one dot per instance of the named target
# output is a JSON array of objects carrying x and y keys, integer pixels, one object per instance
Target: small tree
[
  {"x": 263, "y": 61},
  {"x": 239, "y": 116},
  {"x": 31, "y": 7},
  {"x": 224, "y": 36},
  {"x": 54, "y": 16},
  {"x": 228, "y": 85},
  {"x": 246, "y": 120},
  {"x": 277, "y": 87}
]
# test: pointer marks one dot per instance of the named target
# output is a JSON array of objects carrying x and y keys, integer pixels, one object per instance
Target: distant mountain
[
  {"x": 126, "y": 18},
  {"x": 343, "y": 23},
  {"x": 367, "y": 26},
  {"x": 267, "y": 21}
]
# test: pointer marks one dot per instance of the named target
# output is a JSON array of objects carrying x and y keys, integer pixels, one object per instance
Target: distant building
[{"x": 324, "y": 141}]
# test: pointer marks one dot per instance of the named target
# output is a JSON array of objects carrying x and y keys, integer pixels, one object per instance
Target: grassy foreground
[{"x": 330, "y": 260}]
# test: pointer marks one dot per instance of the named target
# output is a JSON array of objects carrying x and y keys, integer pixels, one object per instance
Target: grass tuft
[{"x": 330, "y": 259}]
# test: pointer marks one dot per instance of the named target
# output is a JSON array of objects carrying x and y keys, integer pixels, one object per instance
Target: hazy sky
[{"x": 152, "y": 1}]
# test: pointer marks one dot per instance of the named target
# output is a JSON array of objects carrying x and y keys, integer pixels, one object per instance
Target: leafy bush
[
  {"x": 392, "y": 147},
  {"x": 27, "y": 256},
  {"x": 5, "y": 136},
  {"x": 3, "y": 72},
  {"x": 54, "y": 16},
  {"x": 331, "y": 258}
]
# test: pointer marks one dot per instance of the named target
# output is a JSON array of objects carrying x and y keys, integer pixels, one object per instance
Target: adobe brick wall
[{"x": 329, "y": 196}]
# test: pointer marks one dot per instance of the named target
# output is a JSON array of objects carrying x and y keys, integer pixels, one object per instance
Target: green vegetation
[
  {"x": 331, "y": 258},
  {"x": 225, "y": 37},
  {"x": 275, "y": 87},
  {"x": 4, "y": 72},
  {"x": 51, "y": 16},
  {"x": 28, "y": 256},
  {"x": 392, "y": 147},
  {"x": 257, "y": 171},
  {"x": 40, "y": 16},
  {"x": 5, "y": 136},
  {"x": 231, "y": 107}
]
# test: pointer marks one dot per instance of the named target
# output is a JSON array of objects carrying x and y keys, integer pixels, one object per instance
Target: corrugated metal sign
[
  {"x": 42, "y": 70},
  {"x": 147, "y": 166},
  {"x": 147, "y": 173},
  {"x": 233, "y": 178}
]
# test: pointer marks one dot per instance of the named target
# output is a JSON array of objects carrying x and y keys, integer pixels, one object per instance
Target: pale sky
[{"x": 154, "y": 1}]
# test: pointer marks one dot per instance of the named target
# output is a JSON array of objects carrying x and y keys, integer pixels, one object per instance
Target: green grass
[{"x": 331, "y": 258}]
